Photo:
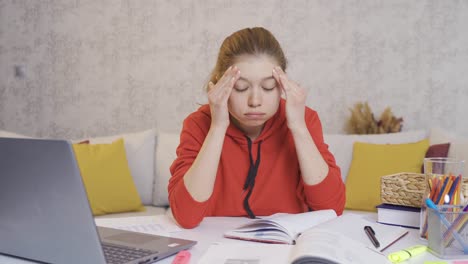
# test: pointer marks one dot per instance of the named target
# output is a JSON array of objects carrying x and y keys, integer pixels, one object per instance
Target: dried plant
[
  {"x": 389, "y": 123},
  {"x": 362, "y": 121}
]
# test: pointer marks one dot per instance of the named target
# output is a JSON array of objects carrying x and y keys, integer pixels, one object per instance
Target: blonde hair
[{"x": 248, "y": 41}]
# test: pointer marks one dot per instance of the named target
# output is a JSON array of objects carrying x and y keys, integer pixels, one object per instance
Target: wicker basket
[
  {"x": 407, "y": 188},
  {"x": 404, "y": 188}
]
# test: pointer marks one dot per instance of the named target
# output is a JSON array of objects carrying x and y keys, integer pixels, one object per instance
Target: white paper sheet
[
  {"x": 156, "y": 225},
  {"x": 246, "y": 254},
  {"x": 352, "y": 226}
]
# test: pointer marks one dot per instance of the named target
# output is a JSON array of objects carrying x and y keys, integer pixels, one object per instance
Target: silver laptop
[{"x": 45, "y": 215}]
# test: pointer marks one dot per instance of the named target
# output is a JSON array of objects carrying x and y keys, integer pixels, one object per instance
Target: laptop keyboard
[{"x": 117, "y": 254}]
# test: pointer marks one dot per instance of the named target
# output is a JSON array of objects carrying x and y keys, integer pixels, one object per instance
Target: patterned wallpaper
[{"x": 76, "y": 68}]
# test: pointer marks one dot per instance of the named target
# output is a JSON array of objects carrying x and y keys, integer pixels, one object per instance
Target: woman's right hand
[{"x": 218, "y": 95}]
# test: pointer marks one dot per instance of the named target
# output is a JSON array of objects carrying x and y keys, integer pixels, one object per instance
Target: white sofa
[{"x": 151, "y": 153}]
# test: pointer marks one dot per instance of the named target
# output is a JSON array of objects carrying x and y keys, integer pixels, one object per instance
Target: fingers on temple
[
  {"x": 283, "y": 79},
  {"x": 226, "y": 83},
  {"x": 230, "y": 76},
  {"x": 276, "y": 75},
  {"x": 225, "y": 78},
  {"x": 233, "y": 79}
]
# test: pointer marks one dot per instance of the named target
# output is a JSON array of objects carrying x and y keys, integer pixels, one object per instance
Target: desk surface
[{"x": 211, "y": 231}]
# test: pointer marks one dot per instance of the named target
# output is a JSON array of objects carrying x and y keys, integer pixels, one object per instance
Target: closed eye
[
  {"x": 269, "y": 88},
  {"x": 269, "y": 84},
  {"x": 241, "y": 85},
  {"x": 241, "y": 88}
]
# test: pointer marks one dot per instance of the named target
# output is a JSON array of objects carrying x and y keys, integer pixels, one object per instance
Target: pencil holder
[
  {"x": 447, "y": 231},
  {"x": 443, "y": 181}
]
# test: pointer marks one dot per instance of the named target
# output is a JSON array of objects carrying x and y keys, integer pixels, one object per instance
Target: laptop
[{"x": 45, "y": 215}]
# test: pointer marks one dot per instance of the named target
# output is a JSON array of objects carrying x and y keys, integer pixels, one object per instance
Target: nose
[{"x": 255, "y": 98}]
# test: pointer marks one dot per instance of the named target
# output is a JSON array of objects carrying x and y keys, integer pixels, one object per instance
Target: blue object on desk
[{"x": 447, "y": 224}]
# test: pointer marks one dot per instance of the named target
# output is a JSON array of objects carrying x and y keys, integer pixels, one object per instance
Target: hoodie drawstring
[{"x": 250, "y": 181}]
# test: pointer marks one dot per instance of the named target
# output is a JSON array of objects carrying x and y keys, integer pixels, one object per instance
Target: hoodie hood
[{"x": 271, "y": 125}]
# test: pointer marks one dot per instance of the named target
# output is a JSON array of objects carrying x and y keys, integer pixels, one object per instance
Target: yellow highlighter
[{"x": 405, "y": 254}]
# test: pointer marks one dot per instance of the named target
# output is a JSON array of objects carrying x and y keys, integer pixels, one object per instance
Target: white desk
[{"x": 212, "y": 228}]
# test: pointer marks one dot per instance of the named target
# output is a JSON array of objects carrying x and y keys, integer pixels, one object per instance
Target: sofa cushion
[
  {"x": 107, "y": 179},
  {"x": 371, "y": 161},
  {"x": 437, "y": 151},
  {"x": 149, "y": 211},
  {"x": 458, "y": 145},
  {"x": 139, "y": 148},
  {"x": 342, "y": 145},
  {"x": 165, "y": 154},
  {"x": 8, "y": 134}
]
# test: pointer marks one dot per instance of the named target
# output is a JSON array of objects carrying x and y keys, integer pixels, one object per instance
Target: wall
[{"x": 81, "y": 68}]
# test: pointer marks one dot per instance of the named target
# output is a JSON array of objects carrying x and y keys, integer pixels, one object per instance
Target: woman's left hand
[{"x": 295, "y": 99}]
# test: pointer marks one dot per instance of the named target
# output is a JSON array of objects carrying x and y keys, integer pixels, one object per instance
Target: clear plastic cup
[{"x": 444, "y": 181}]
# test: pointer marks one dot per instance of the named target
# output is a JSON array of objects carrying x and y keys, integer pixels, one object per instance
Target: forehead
[{"x": 255, "y": 67}]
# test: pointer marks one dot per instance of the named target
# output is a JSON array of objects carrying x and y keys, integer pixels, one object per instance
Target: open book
[
  {"x": 280, "y": 228},
  {"x": 313, "y": 246},
  {"x": 337, "y": 240}
]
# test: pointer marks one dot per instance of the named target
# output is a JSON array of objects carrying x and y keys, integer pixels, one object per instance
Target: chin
[{"x": 253, "y": 123}]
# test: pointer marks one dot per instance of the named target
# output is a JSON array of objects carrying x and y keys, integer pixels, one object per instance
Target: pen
[
  {"x": 371, "y": 234},
  {"x": 396, "y": 240}
]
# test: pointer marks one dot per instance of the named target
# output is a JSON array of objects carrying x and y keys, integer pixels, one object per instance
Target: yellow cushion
[
  {"x": 371, "y": 161},
  {"x": 107, "y": 178}
]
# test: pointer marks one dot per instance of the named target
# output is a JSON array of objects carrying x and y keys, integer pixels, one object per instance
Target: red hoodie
[{"x": 278, "y": 185}]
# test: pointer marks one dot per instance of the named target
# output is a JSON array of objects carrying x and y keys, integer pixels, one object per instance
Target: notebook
[{"x": 45, "y": 214}]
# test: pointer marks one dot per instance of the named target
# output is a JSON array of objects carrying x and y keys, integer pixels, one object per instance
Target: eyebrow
[{"x": 264, "y": 79}]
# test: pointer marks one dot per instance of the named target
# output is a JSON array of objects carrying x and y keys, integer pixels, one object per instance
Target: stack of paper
[{"x": 156, "y": 225}]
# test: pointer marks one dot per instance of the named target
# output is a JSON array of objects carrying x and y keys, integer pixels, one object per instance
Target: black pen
[{"x": 371, "y": 234}]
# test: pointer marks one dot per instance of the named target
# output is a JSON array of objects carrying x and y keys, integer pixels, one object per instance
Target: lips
[{"x": 255, "y": 115}]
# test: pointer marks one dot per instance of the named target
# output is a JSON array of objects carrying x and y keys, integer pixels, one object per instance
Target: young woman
[{"x": 250, "y": 152}]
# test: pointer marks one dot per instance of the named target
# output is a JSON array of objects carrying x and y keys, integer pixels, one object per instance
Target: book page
[
  {"x": 246, "y": 253},
  {"x": 266, "y": 232},
  {"x": 352, "y": 226},
  {"x": 327, "y": 247},
  {"x": 280, "y": 228},
  {"x": 297, "y": 223}
]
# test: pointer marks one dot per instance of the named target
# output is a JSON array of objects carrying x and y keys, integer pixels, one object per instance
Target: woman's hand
[
  {"x": 218, "y": 95},
  {"x": 295, "y": 99}
]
